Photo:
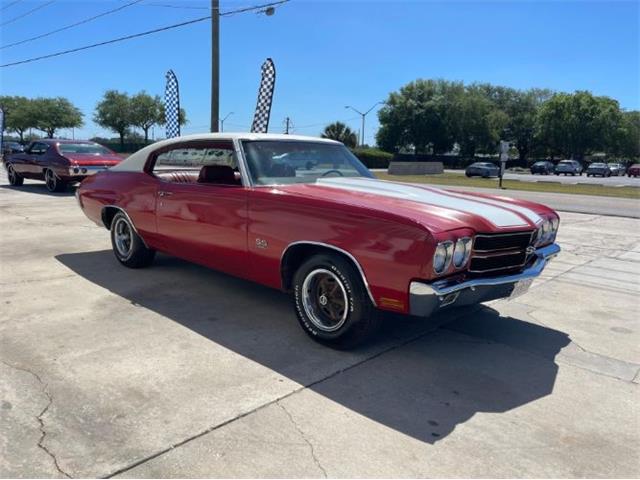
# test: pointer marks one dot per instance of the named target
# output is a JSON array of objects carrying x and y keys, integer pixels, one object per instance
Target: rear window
[{"x": 87, "y": 148}]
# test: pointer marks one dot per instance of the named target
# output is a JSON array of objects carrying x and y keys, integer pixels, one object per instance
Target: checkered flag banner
[
  {"x": 172, "y": 105},
  {"x": 265, "y": 95}
]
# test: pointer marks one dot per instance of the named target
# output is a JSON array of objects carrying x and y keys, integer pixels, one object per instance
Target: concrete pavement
[{"x": 177, "y": 370}]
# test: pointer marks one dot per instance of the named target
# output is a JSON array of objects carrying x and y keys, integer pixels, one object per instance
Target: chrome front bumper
[
  {"x": 426, "y": 298},
  {"x": 78, "y": 171}
]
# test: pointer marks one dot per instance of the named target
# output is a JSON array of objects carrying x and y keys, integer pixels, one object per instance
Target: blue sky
[{"x": 328, "y": 53}]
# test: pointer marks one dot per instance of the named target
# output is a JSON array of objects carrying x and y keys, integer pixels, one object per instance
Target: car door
[
  {"x": 201, "y": 205},
  {"x": 37, "y": 159},
  {"x": 23, "y": 162}
]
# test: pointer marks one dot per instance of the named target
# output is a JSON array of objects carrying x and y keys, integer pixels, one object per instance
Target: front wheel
[
  {"x": 53, "y": 183},
  {"x": 127, "y": 245},
  {"x": 15, "y": 179},
  {"x": 332, "y": 303}
]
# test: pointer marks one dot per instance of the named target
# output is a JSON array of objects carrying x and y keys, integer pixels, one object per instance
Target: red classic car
[
  {"x": 304, "y": 215},
  {"x": 58, "y": 162},
  {"x": 634, "y": 170}
]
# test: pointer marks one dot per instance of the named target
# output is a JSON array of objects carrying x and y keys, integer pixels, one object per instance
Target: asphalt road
[
  {"x": 592, "y": 204},
  {"x": 179, "y": 371},
  {"x": 618, "y": 181}
]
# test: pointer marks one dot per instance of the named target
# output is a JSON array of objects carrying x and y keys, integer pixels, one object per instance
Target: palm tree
[{"x": 340, "y": 132}]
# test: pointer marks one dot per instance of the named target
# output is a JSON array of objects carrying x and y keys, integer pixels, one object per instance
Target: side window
[
  {"x": 38, "y": 148},
  {"x": 211, "y": 164}
]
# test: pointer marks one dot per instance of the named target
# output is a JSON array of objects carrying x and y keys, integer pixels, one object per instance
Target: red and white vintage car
[
  {"x": 58, "y": 162},
  {"x": 304, "y": 215}
]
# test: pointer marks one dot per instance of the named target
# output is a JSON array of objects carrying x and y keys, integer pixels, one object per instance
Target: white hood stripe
[
  {"x": 523, "y": 211},
  {"x": 500, "y": 214}
]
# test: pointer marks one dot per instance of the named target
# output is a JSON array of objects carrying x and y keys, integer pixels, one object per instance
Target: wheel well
[
  {"x": 107, "y": 216},
  {"x": 297, "y": 254}
]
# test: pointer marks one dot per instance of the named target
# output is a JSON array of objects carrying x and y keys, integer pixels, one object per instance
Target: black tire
[
  {"x": 52, "y": 182},
  {"x": 15, "y": 179},
  {"x": 358, "y": 320},
  {"x": 127, "y": 245},
  {"x": 468, "y": 175}
]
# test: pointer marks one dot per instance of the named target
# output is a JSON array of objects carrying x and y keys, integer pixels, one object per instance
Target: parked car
[
  {"x": 345, "y": 244},
  {"x": 617, "y": 169},
  {"x": 482, "y": 169},
  {"x": 568, "y": 167},
  {"x": 58, "y": 162},
  {"x": 634, "y": 170},
  {"x": 598, "y": 169},
  {"x": 543, "y": 168},
  {"x": 11, "y": 147}
]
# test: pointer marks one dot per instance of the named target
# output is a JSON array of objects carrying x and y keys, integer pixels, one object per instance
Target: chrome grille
[{"x": 502, "y": 252}]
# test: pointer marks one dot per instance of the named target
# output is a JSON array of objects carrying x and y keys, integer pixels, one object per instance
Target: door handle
[{"x": 164, "y": 193}]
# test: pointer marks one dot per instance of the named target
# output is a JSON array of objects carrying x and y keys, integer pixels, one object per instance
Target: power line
[
  {"x": 81, "y": 22},
  {"x": 137, "y": 35},
  {"x": 9, "y": 5},
  {"x": 26, "y": 13},
  {"x": 222, "y": 14}
]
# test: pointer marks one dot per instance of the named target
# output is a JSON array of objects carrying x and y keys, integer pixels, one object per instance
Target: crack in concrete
[
  {"x": 39, "y": 418},
  {"x": 240, "y": 416},
  {"x": 312, "y": 450}
]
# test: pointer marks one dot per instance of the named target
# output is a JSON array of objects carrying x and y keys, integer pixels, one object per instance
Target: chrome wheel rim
[
  {"x": 50, "y": 180},
  {"x": 325, "y": 300},
  {"x": 123, "y": 238}
]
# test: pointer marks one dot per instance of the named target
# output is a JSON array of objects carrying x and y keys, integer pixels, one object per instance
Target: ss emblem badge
[{"x": 261, "y": 243}]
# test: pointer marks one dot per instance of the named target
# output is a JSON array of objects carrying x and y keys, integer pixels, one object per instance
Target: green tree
[
  {"x": 480, "y": 122},
  {"x": 340, "y": 132},
  {"x": 146, "y": 111},
  {"x": 114, "y": 113},
  {"x": 421, "y": 115},
  {"x": 628, "y": 144},
  {"x": 19, "y": 115},
  {"x": 580, "y": 123},
  {"x": 55, "y": 113}
]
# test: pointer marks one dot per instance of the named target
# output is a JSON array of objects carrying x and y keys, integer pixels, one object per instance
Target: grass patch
[{"x": 459, "y": 180}]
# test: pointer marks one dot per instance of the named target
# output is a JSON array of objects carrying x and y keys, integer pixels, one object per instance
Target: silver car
[
  {"x": 569, "y": 167},
  {"x": 482, "y": 169}
]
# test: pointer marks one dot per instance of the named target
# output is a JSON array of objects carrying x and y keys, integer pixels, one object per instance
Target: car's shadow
[
  {"x": 481, "y": 363},
  {"x": 41, "y": 189}
]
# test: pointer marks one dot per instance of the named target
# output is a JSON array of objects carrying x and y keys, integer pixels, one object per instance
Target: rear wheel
[
  {"x": 53, "y": 183},
  {"x": 15, "y": 179},
  {"x": 127, "y": 245},
  {"x": 332, "y": 303}
]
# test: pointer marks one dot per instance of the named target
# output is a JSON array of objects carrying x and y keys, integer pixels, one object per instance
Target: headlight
[
  {"x": 442, "y": 256},
  {"x": 555, "y": 223},
  {"x": 461, "y": 252}
]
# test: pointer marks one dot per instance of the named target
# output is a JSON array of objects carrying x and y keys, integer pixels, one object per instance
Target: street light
[
  {"x": 363, "y": 115},
  {"x": 222, "y": 121}
]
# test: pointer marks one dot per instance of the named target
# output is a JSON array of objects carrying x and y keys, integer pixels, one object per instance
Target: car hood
[
  {"x": 437, "y": 209},
  {"x": 84, "y": 159}
]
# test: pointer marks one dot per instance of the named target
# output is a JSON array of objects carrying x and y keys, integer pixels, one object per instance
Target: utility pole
[
  {"x": 363, "y": 115},
  {"x": 215, "y": 64}
]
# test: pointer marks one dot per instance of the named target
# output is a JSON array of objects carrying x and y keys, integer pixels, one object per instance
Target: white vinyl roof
[{"x": 136, "y": 161}]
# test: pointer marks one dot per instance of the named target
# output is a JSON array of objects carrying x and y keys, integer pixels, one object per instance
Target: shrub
[{"x": 373, "y": 157}]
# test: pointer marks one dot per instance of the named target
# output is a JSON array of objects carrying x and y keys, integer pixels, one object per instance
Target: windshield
[
  {"x": 87, "y": 148},
  {"x": 285, "y": 162},
  {"x": 597, "y": 165}
]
